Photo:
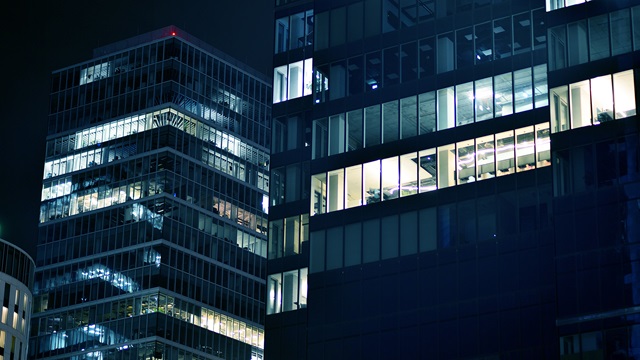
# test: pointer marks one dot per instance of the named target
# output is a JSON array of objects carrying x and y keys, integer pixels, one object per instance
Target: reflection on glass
[
  {"x": 484, "y": 99},
  {"x": 502, "y": 37},
  {"x": 466, "y": 162},
  {"x": 504, "y": 153},
  {"x": 525, "y": 149},
  {"x": 602, "y": 99},
  {"x": 484, "y": 43},
  {"x": 446, "y": 166},
  {"x": 428, "y": 172},
  {"x": 354, "y": 186},
  {"x": 408, "y": 174},
  {"x": 580, "y": 104},
  {"x": 599, "y": 37},
  {"x": 464, "y": 104},
  {"x": 371, "y": 181},
  {"x": 390, "y": 178},
  {"x": 485, "y": 157}
]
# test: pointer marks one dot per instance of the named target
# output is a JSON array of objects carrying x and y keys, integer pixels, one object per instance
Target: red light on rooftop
[{"x": 173, "y": 33}]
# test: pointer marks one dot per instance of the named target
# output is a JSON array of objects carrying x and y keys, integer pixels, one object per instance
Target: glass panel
[
  {"x": 336, "y": 134},
  {"x": 390, "y": 121},
  {"x": 427, "y": 173},
  {"x": 540, "y": 89},
  {"x": 374, "y": 71},
  {"x": 466, "y": 162},
  {"x": 409, "y": 64},
  {"x": 320, "y": 138},
  {"x": 557, "y": 48},
  {"x": 521, "y": 33},
  {"x": 484, "y": 99},
  {"x": 624, "y": 92},
  {"x": 428, "y": 229},
  {"x": 635, "y": 15},
  {"x": 338, "y": 76},
  {"x": 371, "y": 240},
  {"x": 335, "y": 190},
  {"x": 580, "y": 104},
  {"x": 427, "y": 111},
  {"x": 428, "y": 58},
  {"x": 292, "y": 236},
  {"x": 523, "y": 93},
  {"x": 502, "y": 37},
  {"x": 620, "y": 32},
  {"x": 539, "y": 28},
  {"x": 485, "y": 157},
  {"x": 408, "y": 174},
  {"x": 334, "y": 248},
  {"x": 445, "y": 52},
  {"x": 356, "y": 75},
  {"x": 354, "y": 22},
  {"x": 559, "y": 109},
  {"x": 464, "y": 46},
  {"x": 354, "y": 186},
  {"x": 297, "y": 30},
  {"x": 543, "y": 145},
  {"x": 276, "y": 240},
  {"x": 319, "y": 191},
  {"x": 274, "y": 288},
  {"x": 282, "y": 34},
  {"x": 390, "y": 178},
  {"x": 503, "y": 95},
  {"x": 408, "y": 233},
  {"x": 464, "y": 104},
  {"x": 296, "y": 80},
  {"x": 389, "y": 236},
  {"x": 525, "y": 149},
  {"x": 505, "y": 153},
  {"x": 354, "y": 129},
  {"x": 372, "y": 125},
  {"x": 446, "y": 108},
  {"x": 352, "y": 244},
  {"x": 599, "y": 37},
  {"x": 308, "y": 77},
  {"x": 321, "y": 40},
  {"x": 338, "y": 26},
  {"x": 602, "y": 99},
  {"x": 290, "y": 285},
  {"x": 577, "y": 36},
  {"x": 280, "y": 84},
  {"x": 371, "y": 182},
  {"x": 303, "y": 287},
  {"x": 484, "y": 43},
  {"x": 316, "y": 257},
  {"x": 446, "y": 166},
  {"x": 409, "y": 117},
  {"x": 391, "y": 17},
  {"x": 392, "y": 66}
]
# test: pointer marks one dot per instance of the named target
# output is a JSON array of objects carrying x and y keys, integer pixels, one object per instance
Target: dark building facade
[
  {"x": 454, "y": 180},
  {"x": 153, "y": 223}
]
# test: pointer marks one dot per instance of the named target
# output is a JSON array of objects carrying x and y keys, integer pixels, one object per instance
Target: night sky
[{"x": 40, "y": 37}]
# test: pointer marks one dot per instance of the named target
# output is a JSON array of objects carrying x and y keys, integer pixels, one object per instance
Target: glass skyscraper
[
  {"x": 454, "y": 179},
  {"x": 153, "y": 221}
]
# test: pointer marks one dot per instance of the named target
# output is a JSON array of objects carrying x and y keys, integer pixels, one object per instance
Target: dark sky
[{"x": 40, "y": 37}]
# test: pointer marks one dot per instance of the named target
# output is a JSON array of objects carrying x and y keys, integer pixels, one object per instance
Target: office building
[
  {"x": 454, "y": 180},
  {"x": 153, "y": 222},
  {"x": 16, "y": 280}
]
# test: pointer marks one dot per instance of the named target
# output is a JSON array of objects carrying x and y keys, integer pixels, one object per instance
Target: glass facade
[
  {"x": 153, "y": 223},
  {"x": 469, "y": 194}
]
